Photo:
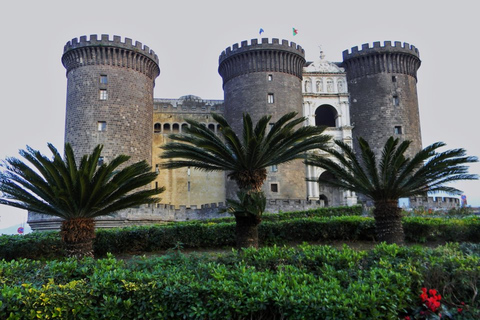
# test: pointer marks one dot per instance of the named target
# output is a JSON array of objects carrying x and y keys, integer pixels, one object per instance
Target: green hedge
[
  {"x": 307, "y": 282},
  {"x": 312, "y": 213},
  {"x": 222, "y": 234}
]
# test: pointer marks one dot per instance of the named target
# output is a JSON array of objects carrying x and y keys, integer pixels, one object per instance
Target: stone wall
[{"x": 383, "y": 94}]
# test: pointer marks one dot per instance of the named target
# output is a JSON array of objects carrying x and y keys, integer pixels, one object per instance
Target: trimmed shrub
[
  {"x": 222, "y": 234},
  {"x": 307, "y": 282}
]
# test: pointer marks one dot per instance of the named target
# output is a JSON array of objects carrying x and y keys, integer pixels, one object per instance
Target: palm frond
[
  {"x": 253, "y": 150},
  {"x": 58, "y": 187},
  {"x": 395, "y": 176}
]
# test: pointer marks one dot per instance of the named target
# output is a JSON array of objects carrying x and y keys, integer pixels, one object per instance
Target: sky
[{"x": 188, "y": 37}]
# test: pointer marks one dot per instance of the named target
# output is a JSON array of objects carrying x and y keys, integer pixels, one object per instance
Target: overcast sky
[{"x": 188, "y": 37}]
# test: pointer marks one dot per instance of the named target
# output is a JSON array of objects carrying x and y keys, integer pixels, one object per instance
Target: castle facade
[{"x": 371, "y": 93}]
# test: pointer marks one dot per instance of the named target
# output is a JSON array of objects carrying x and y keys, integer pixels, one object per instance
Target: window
[
  {"x": 157, "y": 168},
  {"x": 188, "y": 185},
  {"x": 398, "y": 130},
  {"x": 157, "y": 128},
  {"x": 100, "y": 161},
  {"x": 270, "y": 98},
  {"x": 270, "y": 77},
  {"x": 103, "y": 79},
  {"x": 326, "y": 115},
  {"x": 211, "y": 126},
  {"x": 274, "y": 168},
  {"x": 103, "y": 94},
  {"x": 396, "y": 101},
  {"x": 184, "y": 126},
  {"x": 274, "y": 187},
  {"x": 175, "y": 128},
  {"x": 394, "y": 78},
  {"x": 102, "y": 126},
  {"x": 156, "y": 185},
  {"x": 166, "y": 127},
  {"x": 188, "y": 171}
]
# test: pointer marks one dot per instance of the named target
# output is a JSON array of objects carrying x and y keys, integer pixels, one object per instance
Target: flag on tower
[
  {"x": 295, "y": 31},
  {"x": 261, "y": 31}
]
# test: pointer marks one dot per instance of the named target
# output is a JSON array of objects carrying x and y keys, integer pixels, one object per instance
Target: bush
[
  {"x": 222, "y": 234},
  {"x": 307, "y": 282}
]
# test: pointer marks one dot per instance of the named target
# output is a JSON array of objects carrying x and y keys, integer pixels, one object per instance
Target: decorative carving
[
  {"x": 329, "y": 85},
  {"x": 319, "y": 85}
]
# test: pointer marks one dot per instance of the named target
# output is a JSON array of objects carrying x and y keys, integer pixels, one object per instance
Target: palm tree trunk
[
  {"x": 246, "y": 230},
  {"x": 77, "y": 235},
  {"x": 388, "y": 222}
]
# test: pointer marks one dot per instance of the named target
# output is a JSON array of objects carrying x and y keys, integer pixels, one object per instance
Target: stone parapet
[
  {"x": 162, "y": 213},
  {"x": 114, "y": 52},
  {"x": 285, "y": 57}
]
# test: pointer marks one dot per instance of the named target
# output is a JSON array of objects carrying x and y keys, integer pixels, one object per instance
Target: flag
[
  {"x": 261, "y": 31},
  {"x": 295, "y": 31}
]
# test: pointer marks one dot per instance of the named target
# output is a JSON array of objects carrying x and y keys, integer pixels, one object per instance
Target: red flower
[
  {"x": 407, "y": 318},
  {"x": 432, "y": 292},
  {"x": 459, "y": 310},
  {"x": 424, "y": 290},
  {"x": 462, "y": 303}
]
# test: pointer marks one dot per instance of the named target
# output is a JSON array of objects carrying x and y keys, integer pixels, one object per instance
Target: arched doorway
[
  {"x": 331, "y": 196},
  {"x": 325, "y": 199}
]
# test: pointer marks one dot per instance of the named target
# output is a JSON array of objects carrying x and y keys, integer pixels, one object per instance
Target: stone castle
[{"x": 371, "y": 94}]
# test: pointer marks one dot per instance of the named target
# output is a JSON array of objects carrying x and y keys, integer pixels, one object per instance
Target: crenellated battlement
[
  {"x": 105, "y": 41},
  {"x": 103, "y": 51},
  {"x": 265, "y": 56},
  {"x": 265, "y": 44},
  {"x": 396, "y": 58},
  {"x": 387, "y": 47}
]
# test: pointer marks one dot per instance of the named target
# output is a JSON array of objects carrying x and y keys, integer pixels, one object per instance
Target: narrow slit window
[
  {"x": 103, "y": 94},
  {"x": 270, "y": 77},
  {"x": 103, "y": 79},
  {"x": 157, "y": 168},
  {"x": 188, "y": 186},
  {"x": 394, "y": 78},
  {"x": 398, "y": 130},
  {"x": 102, "y": 126},
  {"x": 274, "y": 168},
  {"x": 100, "y": 161},
  {"x": 270, "y": 98},
  {"x": 396, "y": 101}
]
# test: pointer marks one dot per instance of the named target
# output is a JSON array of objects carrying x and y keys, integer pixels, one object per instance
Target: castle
[{"x": 371, "y": 93}]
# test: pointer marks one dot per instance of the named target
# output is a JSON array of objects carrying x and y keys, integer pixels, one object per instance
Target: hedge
[
  {"x": 218, "y": 235},
  {"x": 307, "y": 282}
]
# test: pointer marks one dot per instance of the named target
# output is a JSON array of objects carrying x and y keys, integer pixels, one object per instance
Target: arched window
[
  {"x": 326, "y": 115},
  {"x": 211, "y": 126},
  {"x": 184, "y": 125},
  {"x": 328, "y": 176},
  {"x": 176, "y": 128},
  {"x": 157, "y": 128},
  {"x": 166, "y": 128}
]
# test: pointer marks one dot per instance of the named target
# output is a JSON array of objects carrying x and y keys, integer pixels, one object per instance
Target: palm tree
[
  {"x": 57, "y": 187},
  {"x": 245, "y": 159},
  {"x": 394, "y": 176}
]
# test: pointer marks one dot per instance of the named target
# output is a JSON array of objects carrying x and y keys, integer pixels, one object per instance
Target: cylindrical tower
[
  {"x": 110, "y": 96},
  {"x": 265, "y": 79},
  {"x": 382, "y": 82}
]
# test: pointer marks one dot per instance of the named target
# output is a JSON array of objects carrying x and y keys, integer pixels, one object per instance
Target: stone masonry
[{"x": 110, "y": 101}]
